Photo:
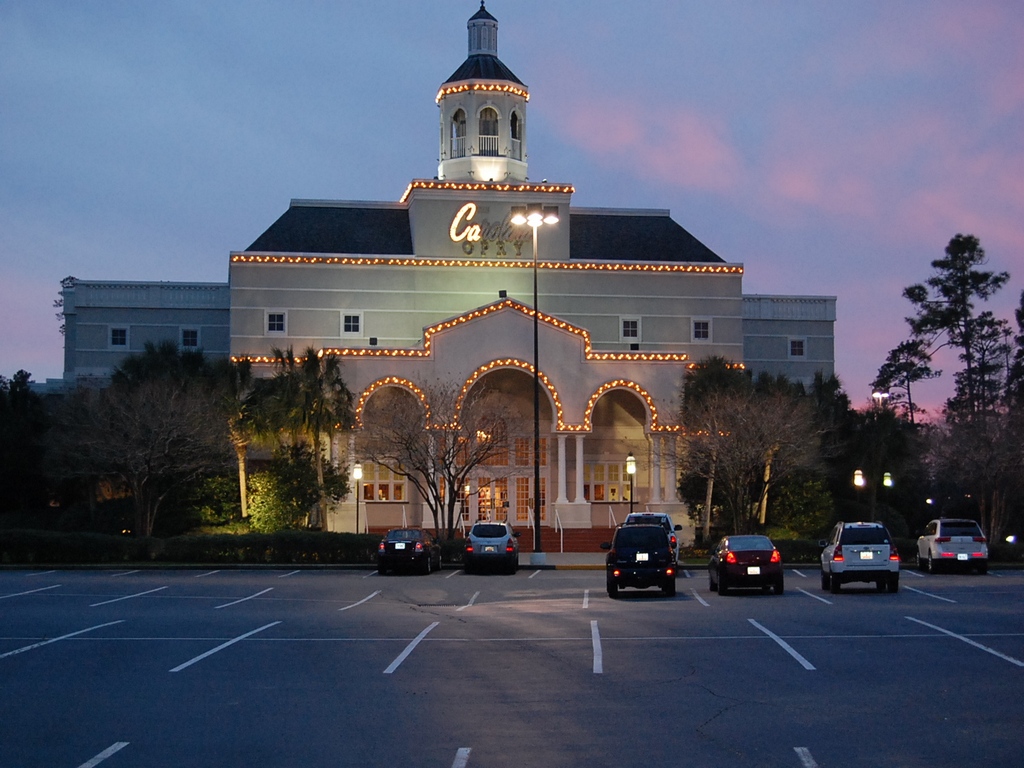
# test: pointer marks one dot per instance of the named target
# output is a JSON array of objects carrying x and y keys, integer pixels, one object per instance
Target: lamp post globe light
[
  {"x": 535, "y": 215},
  {"x": 631, "y": 470},
  {"x": 357, "y": 475}
]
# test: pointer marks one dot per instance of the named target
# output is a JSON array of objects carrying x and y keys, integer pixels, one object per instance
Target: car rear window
[
  {"x": 489, "y": 531},
  {"x": 645, "y": 538},
  {"x": 959, "y": 528},
  {"x": 647, "y": 520},
  {"x": 405, "y": 534},
  {"x": 747, "y": 543},
  {"x": 871, "y": 535}
]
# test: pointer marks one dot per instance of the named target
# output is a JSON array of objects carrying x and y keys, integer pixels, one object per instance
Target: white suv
[
  {"x": 952, "y": 542},
  {"x": 860, "y": 552}
]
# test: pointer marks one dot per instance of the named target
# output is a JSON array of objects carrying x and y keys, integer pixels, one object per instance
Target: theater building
[{"x": 439, "y": 287}]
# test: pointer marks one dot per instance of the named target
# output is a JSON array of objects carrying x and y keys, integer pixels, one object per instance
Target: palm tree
[{"x": 238, "y": 395}]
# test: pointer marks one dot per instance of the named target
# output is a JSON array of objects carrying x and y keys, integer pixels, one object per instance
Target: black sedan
[
  {"x": 411, "y": 548},
  {"x": 745, "y": 561}
]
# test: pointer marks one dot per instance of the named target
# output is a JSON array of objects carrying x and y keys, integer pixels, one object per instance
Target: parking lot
[{"x": 317, "y": 668}]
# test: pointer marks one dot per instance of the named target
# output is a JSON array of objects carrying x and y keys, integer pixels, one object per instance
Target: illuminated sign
[{"x": 481, "y": 235}]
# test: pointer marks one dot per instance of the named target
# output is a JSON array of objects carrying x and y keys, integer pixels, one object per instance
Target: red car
[{"x": 745, "y": 561}]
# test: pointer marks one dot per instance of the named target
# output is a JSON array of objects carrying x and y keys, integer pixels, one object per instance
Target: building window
[
  {"x": 351, "y": 325},
  {"x": 605, "y": 482},
  {"x": 524, "y": 499},
  {"x": 381, "y": 484},
  {"x": 458, "y": 137},
  {"x": 524, "y": 451},
  {"x": 516, "y": 129},
  {"x": 488, "y": 134},
  {"x": 189, "y": 338},
  {"x": 629, "y": 329},
  {"x": 702, "y": 330},
  {"x": 276, "y": 322},
  {"x": 797, "y": 347},
  {"x": 119, "y": 337}
]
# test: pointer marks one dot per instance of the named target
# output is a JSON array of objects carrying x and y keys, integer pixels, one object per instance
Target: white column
[
  {"x": 656, "y": 470},
  {"x": 672, "y": 471},
  {"x": 561, "y": 471},
  {"x": 578, "y": 495}
]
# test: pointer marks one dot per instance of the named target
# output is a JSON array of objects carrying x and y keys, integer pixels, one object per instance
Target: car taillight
[
  {"x": 616, "y": 572},
  {"x": 776, "y": 556},
  {"x": 672, "y": 540},
  {"x": 510, "y": 546},
  {"x": 469, "y": 547},
  {"x": 894, "y": 554},
  {"x": 380, "y": 547},
  {"x": 670, "y": 571},
  {"x": 730, "y": 557},
  {"x": 980, "y": 539},
  {"x": 419, "y": 546},
  {"x": 837, "y": 554},
  {"x": 942, "y": 539}
]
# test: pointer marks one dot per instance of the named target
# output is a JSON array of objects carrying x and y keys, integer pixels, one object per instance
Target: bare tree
[{"x": 437, "y": 438}]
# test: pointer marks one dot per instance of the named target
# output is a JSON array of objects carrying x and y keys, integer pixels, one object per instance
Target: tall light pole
[
  {"x": 357, "y": 475},
  {"x": 535, "y": 215},
  {"x": 631, "y": 470}
]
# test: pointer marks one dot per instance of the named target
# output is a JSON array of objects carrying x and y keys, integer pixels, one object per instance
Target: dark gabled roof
[
  {"x": 482, "y": 14},
  {"x": 483, "y": 66},
  {"x": 596, "y": 236},
  {"x": 326, "y": 228}
]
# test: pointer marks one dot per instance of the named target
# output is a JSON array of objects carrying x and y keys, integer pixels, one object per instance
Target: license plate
[
  {"x": 489, "y": 548},
  {"x": 641, "y": 557},
  {"x": 400, "y": 545},
  {"x": 961, "y": 556},
  {"x": 753, "y": 570},
  {"x": 867, "y": 555}
]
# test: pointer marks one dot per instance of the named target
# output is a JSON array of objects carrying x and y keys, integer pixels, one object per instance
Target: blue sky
[{"x": 832, "y": 148}]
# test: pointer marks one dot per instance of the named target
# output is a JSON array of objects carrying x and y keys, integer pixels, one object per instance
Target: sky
[{"x": 831, "y": 148}]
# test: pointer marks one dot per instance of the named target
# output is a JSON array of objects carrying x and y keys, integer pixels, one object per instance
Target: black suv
[{"x": 640, "y": 556}]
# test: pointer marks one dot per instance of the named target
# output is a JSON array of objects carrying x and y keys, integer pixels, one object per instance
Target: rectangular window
[
  {"x": 524, "y": 452},
  {"x": 796, "y": 347},
  {"x": 702, "y": 330},
  {"x": 381, "y": 484},
  {"x": 351, "y": 325},
  {"x": 119, "y": 337},
  {"x": 629, "y": 329},
  {"x": 276, "y": 322},
  {"x": 189, "y": 338}
]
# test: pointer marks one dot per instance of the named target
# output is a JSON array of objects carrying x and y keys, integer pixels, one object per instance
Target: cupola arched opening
[
  {"x": 515, "y": 125},
  {"x": 488, "y": 133},
  {"x": 458, "y": 134}
]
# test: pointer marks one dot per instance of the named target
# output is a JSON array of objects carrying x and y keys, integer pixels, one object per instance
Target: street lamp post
[
  {"x": 535, "y": 215},
  {"x": 357, "y": 475},
  {"x": 631, "y": 470}
]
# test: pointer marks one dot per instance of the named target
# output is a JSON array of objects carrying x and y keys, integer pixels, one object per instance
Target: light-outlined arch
[
  {"x": 654, "y": 423},
  {"x": 390, "y": 381},
  {"x": 554, "y": 401}
]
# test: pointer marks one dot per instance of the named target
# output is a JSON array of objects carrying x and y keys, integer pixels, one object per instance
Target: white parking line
[
  {"x": 29, "y": 592},
  {"x": 222, "y": 646},
  {"x": 801, "y": 574},
  {"x": 250, "y": 597},
  {"x": 55, "y": 639},
  {"x": 124, "y": 573},
  {"x": 687, "y": 574},
  {"x": 700, "y": 599},
  {"x": 286, "y": 575},
  {"x": 915, "y": 574},
  {"x": 586, "y": 597},
  {"x": 816, "y": 597},
  {"x": 471, "y": 601},
  {"x": 453, "y": 573},
  {"x": 785, "y": 646},
  {"x": 805, "y": 757},
  {"x": 996, "y": 574},
  {"x": 371, "y": 573},
  {"x": 208, "y": 573},
  {"x": 595, "y": 639},
  {"x": 409, "y": 649},
  {"x": 929, "y": 594},
  {"x": 534, "y": 574},
  {"x": 461, "y": 758},
  {"x": 128, "y": 597},
  {"x": 115, "y": 747},
  {"x": 969, "y": 642},
  {"x": 39, "y": 573},
  {"x": 368, "y": 597}
]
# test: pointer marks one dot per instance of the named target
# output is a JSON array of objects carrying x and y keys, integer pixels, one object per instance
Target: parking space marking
[
  {"x": 816, "y": 597},
  {"x": 208, "y": 573},
  {"x": 805, "y": 757},
  {"x": 470, "y": 603},
  {"x": 368, "y": 597},
  {"x": 967, "y": 640},
  {"x": 29, "y": 592},
  {"x": 222, "y": 646},
  {"x": 929, "y": 594},
  {"x": 686, "y": 574},
  {"x": 461, "y": 758},
  {"x": 117, "y": 746},
  {"x": 586, "y": 597},
  {"x": 799, "y": 573},
  {"x": 700, "y": 599},
  {"x": 38, "y": 573},
  {"x": 124, "y": 573},
  {"x": 996, "y": 574},
  {"x": 595, "y": 639},
  {"x": 409, "y": 649},
  {"x": 534, "y": 574},
  {"x": 785, "y": 646},
  {"x": 55, "y": 639},
  {"x": 453, "y": 573},
  {"x": 912, "y": 573},
  {"x": 286, "y": 575},
  {"x": 128, "y": 597},
  {"x": 371, "y": 573},
  {"x": 250, "y": 597}
]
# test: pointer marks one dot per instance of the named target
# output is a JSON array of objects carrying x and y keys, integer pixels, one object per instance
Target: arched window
[
  {"x": 488, "y": 132},
  {"x": 516, "y": 128},
  {"x": 458, "y": 134}
]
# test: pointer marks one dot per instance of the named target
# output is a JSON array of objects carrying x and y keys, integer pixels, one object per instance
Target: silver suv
[
  {"x": 952, "y": 542},
  {"x": 860, "y": 552},
  {"x": 490, "y": 543}
]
